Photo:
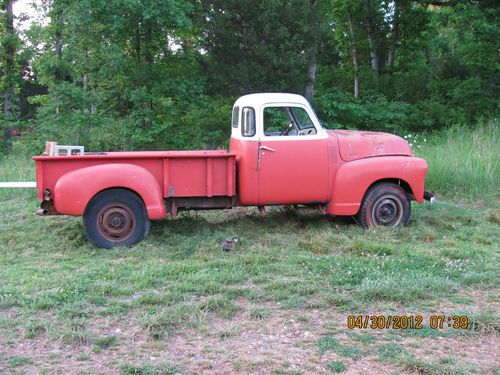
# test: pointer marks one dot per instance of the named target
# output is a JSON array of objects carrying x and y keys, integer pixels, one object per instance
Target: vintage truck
[{"x": 279, "y": 154}]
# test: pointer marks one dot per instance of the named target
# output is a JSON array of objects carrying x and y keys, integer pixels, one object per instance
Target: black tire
[
  {"x": 386, "y": 205},
  {"x": 115, "y": 217}
]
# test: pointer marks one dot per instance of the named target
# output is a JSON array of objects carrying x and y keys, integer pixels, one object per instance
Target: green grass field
[{"x": 276, "y": 304}]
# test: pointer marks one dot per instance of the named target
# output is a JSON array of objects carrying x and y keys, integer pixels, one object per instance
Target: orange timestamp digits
[
  {"x": 385, "y": 322},
  {"x": 406, "y": 321},
  {"x": 455, "y": 321}
]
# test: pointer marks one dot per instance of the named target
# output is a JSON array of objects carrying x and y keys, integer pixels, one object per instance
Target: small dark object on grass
[{"x": 229, "y": 243}]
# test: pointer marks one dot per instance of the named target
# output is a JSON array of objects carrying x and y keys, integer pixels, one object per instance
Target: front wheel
[
  {"x": 115, "y": 217},
  {"x": 385, "y": 205}
]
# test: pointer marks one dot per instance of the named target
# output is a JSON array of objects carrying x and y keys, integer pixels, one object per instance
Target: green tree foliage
[
  {"x": 9, "y": 72},
  {"x": 444, "y": 69},
  {"x": 464, "y": 57},
  {"x": 255, "y": 45},
  {"x": 151, "y": 74},
  {"x": 112, "y": 74}
]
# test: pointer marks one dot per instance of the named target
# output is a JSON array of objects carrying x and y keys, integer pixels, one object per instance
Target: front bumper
[{"x": 430, "y": 197}]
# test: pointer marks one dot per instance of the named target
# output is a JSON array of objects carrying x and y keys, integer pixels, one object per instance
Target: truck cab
[{"x": 281, "y": 149}]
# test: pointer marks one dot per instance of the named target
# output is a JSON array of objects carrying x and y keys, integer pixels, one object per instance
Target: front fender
[
  {"x": 354, "y": 178},
  {"x": 74, "y": 190}
]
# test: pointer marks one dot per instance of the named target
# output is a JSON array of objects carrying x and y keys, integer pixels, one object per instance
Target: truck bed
[{"x": 204, "y": 173}]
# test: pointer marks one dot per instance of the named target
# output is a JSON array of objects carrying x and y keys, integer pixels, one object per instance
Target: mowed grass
[{"x": 54, "y": 286}]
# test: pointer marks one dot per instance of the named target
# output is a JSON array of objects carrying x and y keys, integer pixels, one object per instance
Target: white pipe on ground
[{"x": 30, "y": 184}]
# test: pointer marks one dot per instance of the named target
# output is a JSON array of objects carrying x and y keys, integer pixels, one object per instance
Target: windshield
[
  {"x": 284, "y": 120},
  {"x": 301, "y": 118}
]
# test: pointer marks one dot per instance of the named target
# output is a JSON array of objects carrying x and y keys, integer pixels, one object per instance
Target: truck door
[{"x": 292, "y": 159}]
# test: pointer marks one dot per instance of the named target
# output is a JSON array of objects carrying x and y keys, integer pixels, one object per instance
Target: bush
[
  {"x": 202, "y": 124},
  {"x": 374, "y": 112}
]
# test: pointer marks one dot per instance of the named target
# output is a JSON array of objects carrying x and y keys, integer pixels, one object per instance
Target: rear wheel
[
  {"x": 385, "y": 205},
  {"x": 115, "y": 217}
]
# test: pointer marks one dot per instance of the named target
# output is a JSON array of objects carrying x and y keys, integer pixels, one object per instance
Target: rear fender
[
  {"x": 74, "y": 190},
  {"x": 354, "y": 178}
]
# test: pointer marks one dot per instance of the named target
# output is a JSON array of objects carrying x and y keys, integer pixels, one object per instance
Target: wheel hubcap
[
  {"x": 387, "y": 211},
  {"x": 116, "y": 222}
]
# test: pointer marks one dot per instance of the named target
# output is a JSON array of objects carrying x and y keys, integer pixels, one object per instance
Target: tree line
[{"x": 151, "y": 74}]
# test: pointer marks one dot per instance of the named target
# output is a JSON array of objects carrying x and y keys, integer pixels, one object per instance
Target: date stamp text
[{"x": 407, "y": 321}]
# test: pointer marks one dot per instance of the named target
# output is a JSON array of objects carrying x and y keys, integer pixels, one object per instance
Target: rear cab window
[
  {"x": 248, "y": 127},
  {"x": 236, "y": 117}
]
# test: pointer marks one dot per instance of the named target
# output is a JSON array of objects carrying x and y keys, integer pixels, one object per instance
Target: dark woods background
[{"x": 163, "y": 74}]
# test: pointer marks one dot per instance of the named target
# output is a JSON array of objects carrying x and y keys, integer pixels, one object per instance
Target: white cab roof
[{"x": 260, "y": 99}]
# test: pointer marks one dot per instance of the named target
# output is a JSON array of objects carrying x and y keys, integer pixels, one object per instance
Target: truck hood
[{"x": 355, "y": 145}]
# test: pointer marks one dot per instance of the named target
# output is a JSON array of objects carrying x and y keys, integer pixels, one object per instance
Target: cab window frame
[
  {"x": 248, "y": 116},
  {"x": 235, "y": 117}
]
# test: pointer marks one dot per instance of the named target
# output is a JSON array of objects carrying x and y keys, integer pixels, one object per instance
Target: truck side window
[
  {"x": 236, "y": 117},
  {"x": 248, "y": 123},
  {"x": 283, "y": 121},
  {"x": 275, "y": 120}
]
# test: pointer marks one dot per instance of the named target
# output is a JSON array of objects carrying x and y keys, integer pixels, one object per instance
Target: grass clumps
[
  {"x": 336, "y": 366},
  {"x": 363, "y": 337},
  {"x": 442, "y": 366},
  {"x": 104, "y": 343},
  {"x": 162, "y": 322},
  {"x": 483, "y": 321},
  {"x": 391, "y": 352},
  {"x": 222, "y": 306},
  {"x": 327, "y": 343},
  {"x": 405, "y": 287},
  {"x": 34, "y": 328},
  {"x": 261, "y": 313},
  {"x": 18, "y": 361},
  {"x": 362, "y": 247},
  {"x": 494, "y": 217},
  {"x": 149, "y": 368}
]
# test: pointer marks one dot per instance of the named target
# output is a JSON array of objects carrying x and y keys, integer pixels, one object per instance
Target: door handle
[{"x": 267, "y": 148}]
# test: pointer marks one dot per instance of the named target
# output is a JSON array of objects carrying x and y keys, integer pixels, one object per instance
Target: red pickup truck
[{"x": 279, "y": 155}]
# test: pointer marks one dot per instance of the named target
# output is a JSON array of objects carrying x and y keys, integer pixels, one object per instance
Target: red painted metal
[
  {"x": 305, "y": 171},
  {"x": 331, "y": 170},
  {"x": 314, "y": 171},
  {"x": 73, "y": 190},
  {"x": 353, "y": 179},
  {"x": 356, "y": 145},
  {"x": 295, "y": 172},
  {"x": 202, "y": 176},
  {"x": 74, "y": 180},
  {"x": 248, "y": 175}
]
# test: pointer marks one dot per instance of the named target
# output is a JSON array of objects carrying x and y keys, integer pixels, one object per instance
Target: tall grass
[
  {"x": 15, "y": 168},
  {"x": 463, "y": 162}
]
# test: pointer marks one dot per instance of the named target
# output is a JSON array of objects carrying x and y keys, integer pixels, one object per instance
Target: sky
[{"x": 29, "y": 8}]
